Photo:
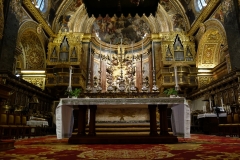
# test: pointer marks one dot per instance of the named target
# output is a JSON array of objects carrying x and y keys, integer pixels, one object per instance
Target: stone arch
[
  {"x": 32, "y": 44},
  {"x": 80, "y": 22},
  {"x": 212, "y": 38}
]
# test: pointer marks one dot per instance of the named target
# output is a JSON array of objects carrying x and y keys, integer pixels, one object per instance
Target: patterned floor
[{"x": 197, "y": 147}]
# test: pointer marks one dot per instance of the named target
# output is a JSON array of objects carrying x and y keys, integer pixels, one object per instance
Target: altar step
[
  {"x": 6, "y": 145},
  {"x": 123, "y": 129}
]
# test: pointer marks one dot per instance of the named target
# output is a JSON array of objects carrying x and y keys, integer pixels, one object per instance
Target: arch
[
  {"x": 80, "y": 22},
  {"x": 212, "y": 37},
  {"x": 28, "y": 35}
]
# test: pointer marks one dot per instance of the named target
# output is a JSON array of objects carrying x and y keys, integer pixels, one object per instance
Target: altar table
[{"x": 64, "y": 119}]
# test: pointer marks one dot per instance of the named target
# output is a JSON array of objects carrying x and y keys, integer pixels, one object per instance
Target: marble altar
[{"x": 64, "y": 115}]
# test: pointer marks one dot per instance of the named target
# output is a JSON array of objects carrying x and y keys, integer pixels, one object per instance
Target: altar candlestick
[
  {"x": 222, "y": 102},
  {"x": 176, "y": 78},
  {"x": 100, "y": 56},
  {"x": 110, "y": 51},
  {"x": 152, "y": 55},
  {"x": 210, "y": 103},
  {"x": 70, "y": 78},
  {"x": 132, "y": 50},
  {"x": 90, "y": 54}
]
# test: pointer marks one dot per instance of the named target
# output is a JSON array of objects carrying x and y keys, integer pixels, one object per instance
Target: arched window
[
  {"x": 40, "y": 4},
  {"x": 201, "y": 4}
]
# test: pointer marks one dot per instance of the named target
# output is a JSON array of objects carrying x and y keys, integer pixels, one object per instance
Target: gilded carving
[
  {"x": 204, "y": 80},
  {"x": 37, "y": 15},
  {"x": 73, "y": 42},
  {"x": 214, "y": 35},
  {"x": 31, "y": 26},
  {"x": 203, "y": 16},
  {"x": 33, "y": 50},
  {"x": 39, "y": 82},
  {"x": 209, "y": 54}
]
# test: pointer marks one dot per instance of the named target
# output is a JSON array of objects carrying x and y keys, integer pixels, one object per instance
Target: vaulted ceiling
[{"x": 119, "y": 7}]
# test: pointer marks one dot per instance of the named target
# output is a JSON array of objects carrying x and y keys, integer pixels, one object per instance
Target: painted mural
[
  {"x": 64, "y": 19},
  {"x": 177, "y": 19},
  {"x": 113, "y": 29}
]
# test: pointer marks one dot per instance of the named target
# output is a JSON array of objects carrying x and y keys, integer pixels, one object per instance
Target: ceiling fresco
[
  {"x": 110, "y": 26},
  {"x": 113, "y": 29}
]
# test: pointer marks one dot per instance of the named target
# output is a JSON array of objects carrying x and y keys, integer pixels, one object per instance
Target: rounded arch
[
  {"x": 80, "y": 22},
  {"x": 212, "y": 38},
  {"x": 32, "y": 41}
]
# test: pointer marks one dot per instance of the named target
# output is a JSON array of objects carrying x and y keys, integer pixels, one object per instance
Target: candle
[
  {"x": 153, "y": 55},
  {"x": 175, "y": 75},
  {"x": 110, "y": 51},
  {"x": 70, "y": 78},
  {"x": 132, "y": 51},
  {"x": 210, "y": 103},
  {"x": 222, "y": 102},
  {"x": 90, "y": 54},
  {"x": 100, "y": 55},
  {"x": 121, "y": 46}
]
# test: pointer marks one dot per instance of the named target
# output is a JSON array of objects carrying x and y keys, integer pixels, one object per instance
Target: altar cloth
[{"x": 64, "y": 110}]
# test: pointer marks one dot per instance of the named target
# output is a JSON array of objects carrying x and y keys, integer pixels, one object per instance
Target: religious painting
[
  {"x": 63, "y": 21},
  {"x": 166, "y": 5},
  {"x": 178, "y": 22},
  {"x": 74, "y": 5},
  {"x": 65, "y": 18},
  {"x": 125, "y": 30}
]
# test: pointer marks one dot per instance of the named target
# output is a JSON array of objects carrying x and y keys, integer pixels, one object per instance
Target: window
[
  {"x": 40, "y": 4},
  {"x": 201, "y": 4}
]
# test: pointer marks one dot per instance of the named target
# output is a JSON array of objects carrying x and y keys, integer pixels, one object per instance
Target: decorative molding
[
  {"x": 39, "y": 82},
  {"x": 37, "y": 15},
  {"x": 203, "y": 16},
  {"x": 119, "y": 101}
]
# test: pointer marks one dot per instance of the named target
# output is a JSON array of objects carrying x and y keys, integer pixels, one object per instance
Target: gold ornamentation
[
  {"x": 203, "y": 16},
  {"x": 39, "y": 29},
  {"x": 204, "y": 80},
  {"x": 37, "y": 15},
  {"x": 33, "y": 50},
  {"x": 75, "y": 50},
  {"x": 39, "y": 82},
  {"x": 208, "y": 53}
]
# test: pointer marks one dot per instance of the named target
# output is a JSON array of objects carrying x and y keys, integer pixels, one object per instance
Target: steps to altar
[
  {"x": 122, "y": 133},
  {"x": 6, "y": 145}
]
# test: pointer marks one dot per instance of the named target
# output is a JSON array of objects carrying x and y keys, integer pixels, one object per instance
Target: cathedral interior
[{"x": 122, "y": 48}]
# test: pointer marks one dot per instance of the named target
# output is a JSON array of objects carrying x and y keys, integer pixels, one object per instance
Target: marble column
[
  {"x": 232, "y": 28},
  {"x": 9, "y": 38}
]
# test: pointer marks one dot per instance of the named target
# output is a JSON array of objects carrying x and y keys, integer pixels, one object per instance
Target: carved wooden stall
[{"x": 223, "y": 92}]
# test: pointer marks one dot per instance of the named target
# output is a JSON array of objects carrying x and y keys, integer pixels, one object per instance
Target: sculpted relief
[{"x": 33, "y": 51}]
